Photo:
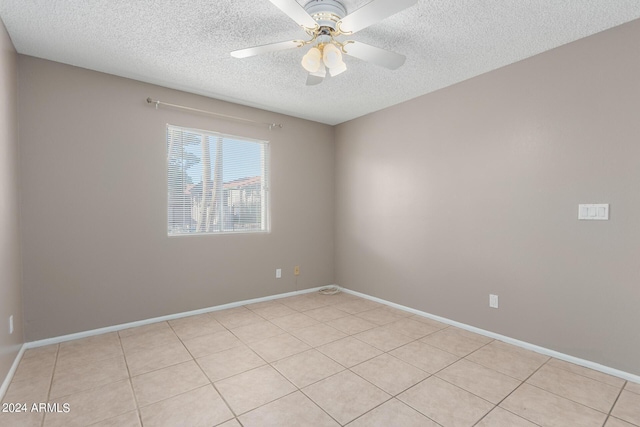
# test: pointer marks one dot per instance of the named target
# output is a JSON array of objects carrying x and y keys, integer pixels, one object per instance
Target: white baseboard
[
  {"x": 84, "y": 334},
  {"x": 542, "y": 350},
  {"x": 7, "y": 380}
]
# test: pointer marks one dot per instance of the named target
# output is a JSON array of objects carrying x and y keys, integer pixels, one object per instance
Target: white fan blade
[
  {"x": 314, "y": 80},
  {"x": 256, "y": 50},
  {"x": 296, "y": 12},
  {"x": 371, "y": 13},
  {"x": 375, "y": 55}
]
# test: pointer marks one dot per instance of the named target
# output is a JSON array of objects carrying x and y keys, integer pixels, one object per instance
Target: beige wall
[
  {"x": 475, "y": 189},
  {"x": 93, "y": 170},
  {"x": 10, "y": 268},
  {"x": 439, "y": 201}
]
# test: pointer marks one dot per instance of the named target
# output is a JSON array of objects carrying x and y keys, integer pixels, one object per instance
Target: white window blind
[{"x": 216, "y": 183}]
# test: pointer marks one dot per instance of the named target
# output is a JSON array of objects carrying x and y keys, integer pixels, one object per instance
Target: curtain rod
[{"x": 224, "y": 116}]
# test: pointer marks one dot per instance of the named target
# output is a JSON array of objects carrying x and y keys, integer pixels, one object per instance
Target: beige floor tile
[
  {"x": 547, "y": 409},
  {"x": 398, "y": 311},
  {"x": 349, "y": 351},
  {"x": 279, "y": 347},
  {"x": 230, "y": 362},
  {"x": 351, "y": 324},
  {"x": 318, "y": 335},
  {"x": 471, "y": 335},
  {"x": 615, "y": 422},
  {"x": 383, "y": 338},
  {"x": 393, "y": 413},
  {"x": 94, "y": 348},
  {"x": 110, "y": 338},
  {"x": 632, "y": 387},
  {"x": 294, "y": 321},
  {"x": 236, "y": 317},
  {"x": 149, "y": 340},
  {"x": 479, "y": 380},
  {"x": 412, "y": 328},
  {"x": 247, "y": 391},
  {"x": 21, "y": 419},
  {"x": 201, "y": 407},
  {"x": 130, "y": 419},
  {"x": 586, "y": 391},
  {"x": 257, "y": 331},
  {"x": 307, "y": 368},
  {"x": 345, "y": 396},
  {"x": 627, "y": 407},
  {"x": 34, "y": 390},
  {"x": 88, "y": 375},
  {"x": 501, "y": 418},
  {"x": 293, "y": 410},
  {"x": 195, "y": 326},
  {"x": 229, "y": 312},
  {"x": 231, "y": 423},
  {"x": 145, "y": 361},
  {"x": 292, "y": 299},
  {"x": 380, "y": 316},
  {"x": 164, "y": 383},
  {"x": 451, "y": 341},
  {"x": 357, "y": 306},
  {"x": 508, "y": 359},
  {"x": 434, "y": 323},
  {"x": 151, "y": 327},
  {"x": 303, "y": 302},
  {"x": 40, "y": 366},
  {"x": 586, "y": 372},
  {"x": 425, "y": 357},
  {"x": 273, "y": 311},
  {"x": 390, "y": 373},
  {"x": 91, "y": 406},
  {"x": 40, "y": 351},
  {"x": 326, "y": 314},
  {"x": 445, "y": 403},
  {"x": 208, "y": 344}
]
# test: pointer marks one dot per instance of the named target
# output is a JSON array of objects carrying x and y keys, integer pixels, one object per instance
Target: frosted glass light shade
[
  {"x": 331, "y": 56},
  {"x": 312, "y": 60}
]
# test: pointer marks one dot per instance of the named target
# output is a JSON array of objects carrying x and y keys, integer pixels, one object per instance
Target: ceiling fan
[{"x": 326, "y": 20}]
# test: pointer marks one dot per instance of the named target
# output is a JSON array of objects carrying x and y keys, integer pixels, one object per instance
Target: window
[{"x": 216, "y": 183}]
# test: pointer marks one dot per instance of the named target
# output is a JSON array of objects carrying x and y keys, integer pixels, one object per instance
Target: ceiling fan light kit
[{"x": 324, "y": 21}]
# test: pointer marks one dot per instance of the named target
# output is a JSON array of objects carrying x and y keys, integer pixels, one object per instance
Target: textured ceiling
[{"x": 185, "y": 45}]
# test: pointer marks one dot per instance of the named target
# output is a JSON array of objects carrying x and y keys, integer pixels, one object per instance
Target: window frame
[{"x": 265, "y": 182}]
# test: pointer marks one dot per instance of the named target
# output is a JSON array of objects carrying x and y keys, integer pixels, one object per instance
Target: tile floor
[{"x": 310, "y": 360}]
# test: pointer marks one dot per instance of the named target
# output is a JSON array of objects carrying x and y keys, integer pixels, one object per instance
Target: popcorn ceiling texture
[{"x": 186, "y": 44}]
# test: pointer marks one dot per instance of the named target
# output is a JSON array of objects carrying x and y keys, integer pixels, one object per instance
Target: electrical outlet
[
  {"x": 11, "y": 324},
  {"x": 278, "y": 273},
  {"x": 493, "y": 301},
  {"x": 296, "y": 270}
]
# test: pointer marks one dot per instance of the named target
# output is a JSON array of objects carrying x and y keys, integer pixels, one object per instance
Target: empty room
[{"x": 317, "y": 213}]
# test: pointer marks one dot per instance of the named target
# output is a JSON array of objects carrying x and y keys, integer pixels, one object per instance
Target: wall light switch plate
[
  {"x": 493, "y": 301},
  {"x": 593, "y": 211},
  {"x": 10, "y": 324},
  {"x": 278, "y": 273}
]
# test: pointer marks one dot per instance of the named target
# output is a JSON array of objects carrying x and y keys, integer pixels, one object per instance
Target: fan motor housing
[{"x": 326, "y": 12}]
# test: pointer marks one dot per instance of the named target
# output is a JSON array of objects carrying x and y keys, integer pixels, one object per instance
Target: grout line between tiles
[
  {"x": 135, "y": 398},
  {"x": 585, "y": 376},
  {"x": 55, "y": 364},
  {"x": 514, "y": 390},
  {"x": 614, "y": 403}
]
